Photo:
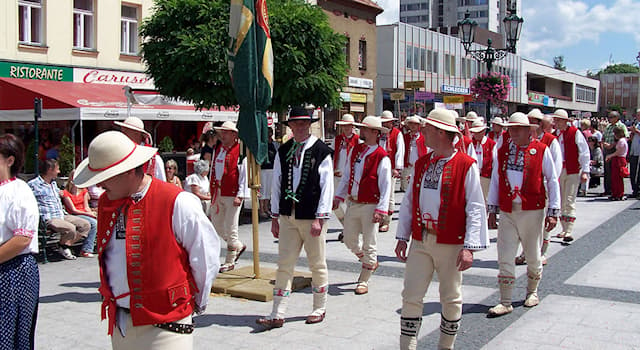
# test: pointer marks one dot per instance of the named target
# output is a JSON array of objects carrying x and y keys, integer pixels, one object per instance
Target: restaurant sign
[{"x": 35, "y": 72}]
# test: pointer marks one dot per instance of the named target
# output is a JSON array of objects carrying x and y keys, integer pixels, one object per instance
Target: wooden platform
[{"x": 241, "y": 283}]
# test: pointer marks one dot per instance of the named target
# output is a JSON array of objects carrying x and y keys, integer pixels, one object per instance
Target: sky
[{"x": 590, "y": 34}]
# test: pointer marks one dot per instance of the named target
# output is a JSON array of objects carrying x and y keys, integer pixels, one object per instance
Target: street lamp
[{"x": 466, "y": 30}]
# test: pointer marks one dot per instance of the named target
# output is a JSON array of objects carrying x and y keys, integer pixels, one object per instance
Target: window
[
  {"x": 83, "y": 24},
  {"x": 347, "y": 50},
  {"x": 585, "y": 94},
  {"x": 409, "y": 56},
  {"x": 422, "y": 59},
  {"x": 449, "y": 65},
  {"x": 416, "y": 57},
  {"x": 435, "y": 62},
  {"x": 129, "y": 30},
  {"x": 30, "y": 21},
  {"x": 413, "y": 7},
  {"x": 362, "y": 55}
]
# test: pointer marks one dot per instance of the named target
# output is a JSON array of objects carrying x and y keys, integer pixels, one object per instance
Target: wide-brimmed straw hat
[
  {"x": 228, "y": 125},
  {"x": 110, "y": 153},
  {"x": 519, "y": 119},
  {"x": 413, "y": 119},
  {"x": 560, "y": 114},
  {"x": 372, "y": 122},
  {"x": 478, "y": 125},
  {"x": 133, "y": 123},
  {"x": 471, "y": 116},
  {"x": 442, "y": 119},
  {"x": 498, "y": 121},
  {"x": 387, "y": 116},
  {"x": 535, "y": 114},
  {"x": 347, "y": 119},
  {"x": 299, "y": 113}
]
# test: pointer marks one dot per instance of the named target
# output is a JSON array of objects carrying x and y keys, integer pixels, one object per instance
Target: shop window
[
  {"x": 30, "y": 22},
  {"x": 129, "y": 30},
  {"x": 83, "y": 24}
]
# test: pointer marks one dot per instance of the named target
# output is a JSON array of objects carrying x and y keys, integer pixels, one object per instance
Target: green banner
[{"x": 35, "y": 72}]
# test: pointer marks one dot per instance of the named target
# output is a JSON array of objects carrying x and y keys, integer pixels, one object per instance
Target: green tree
[
  {"x": 166, "y": 145},
  {"x": 558, "y": 63},
  {"x": 620, "y": 68},
  {"x": 185, "y": 50},
  {"x": 66, "y": 154}
]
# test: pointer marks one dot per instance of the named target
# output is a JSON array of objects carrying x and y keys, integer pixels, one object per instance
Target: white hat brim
[
  {"x": 441, "y": 125},
  {"x": 131, "y": 127},
  {"x": 478, "y": 129},
  {"x": 384, "y": 120},
  {"x": 559, "y": 116},
  {"x": 340, "y": 122},
  {"x": 520, "y": 124},
  {"x": 85, "y": 177},
  {"x": 223, "y": 128},
  {"x": 382, "y": 128}
]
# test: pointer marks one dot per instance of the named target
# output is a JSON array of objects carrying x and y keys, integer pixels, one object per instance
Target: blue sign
[{"x": 458, "y": 90}]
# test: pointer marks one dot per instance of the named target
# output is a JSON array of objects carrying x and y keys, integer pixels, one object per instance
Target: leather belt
[{"x": 181, "y": 328}]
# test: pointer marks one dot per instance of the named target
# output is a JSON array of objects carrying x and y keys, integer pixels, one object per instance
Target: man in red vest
[
  {"x": 444, "y": 216},
  {"x": 342, "y": 146},
  {"x": 497, "y": 130},
  {"x": 575, "y": 170},
  {"x": 483, "y": 148},
  {"x": 133, "y": 127},
  {"x": 301, "y": 196},
  {"x": 393, "y": 143},
  {"x": 463, "y": 142},
  {"x": 521, "y": 166},
  {"x": 414, "y": 148},
  {"x": 228, "y": 190},
  {"x": 157, "y": 250},
  {"x": 367, "y": 186}
]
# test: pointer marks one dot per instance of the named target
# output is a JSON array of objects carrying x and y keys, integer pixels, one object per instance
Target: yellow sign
[
  {"x": 453, "y": 99},
  {"x": 397, "y": 96},
  {"x": 414, "y": 84},
  {"x": 359, "y": 98}
]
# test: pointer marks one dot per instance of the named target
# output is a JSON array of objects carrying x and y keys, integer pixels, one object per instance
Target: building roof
[{"x": 367, "y": 5}]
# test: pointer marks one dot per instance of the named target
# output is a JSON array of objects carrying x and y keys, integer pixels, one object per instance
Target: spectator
[
  {"x": 618, "y": 160},
  {"x": 597, "y": 162},
  {"x": 210, "y": 139},
  {"x": 594, "y": 130},
  {"x": 76, "y": 202},
  {"x": 95, "y": 192},
  {"x": 634, "y": 154},
  {"x": 171, "y": 168},
  {"x": 19, "y": 276},
  {"x": 198, "y": 184},
  {"x": 609, "y": 146},
  {"x": 585, "y": 127},
  {"x": 71, "y": 228}
]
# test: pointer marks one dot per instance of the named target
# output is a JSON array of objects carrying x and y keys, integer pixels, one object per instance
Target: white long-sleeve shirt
[
  {"x": 584, "y": 154},
  {"x": 193, "y": 231},
  {"x": 515, "y": 180},
  {"x": 556, "y": 153},
  {"x": 326, "y": 181},
  {"x": 384, "y": 180},
  {"x": 471, "y": 152},
  {"x": 399, "y": 157},
  {"x": 341, "y": 153},
  {"x": 477, "y": 234},
  {"x": 158, "y": 171},
  {"x": 243, "y": 190}
]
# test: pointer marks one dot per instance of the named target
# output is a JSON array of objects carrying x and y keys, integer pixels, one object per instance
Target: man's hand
[
  {"x": 607, "y": 145},
  {"x": 316, "y": 227},
  {"x": 492, "y": 221},
  {"x": 237, "y": 202},
  {"x": 275, "y": 227},
  {"x": 337, "y": 173},
  {"x": 465, "y": 259},
  {"x": 584, "y": 178},
  {"x": 401, "y": 250},
  {"x": 550, "y": 222},
  {"x": 395, "y": 173},
  {"x": 377, "y": 217},
  {"x": 336, "y": 203}
]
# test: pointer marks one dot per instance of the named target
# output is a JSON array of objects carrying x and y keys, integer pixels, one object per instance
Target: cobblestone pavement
[{"x": 590, "y": 297}]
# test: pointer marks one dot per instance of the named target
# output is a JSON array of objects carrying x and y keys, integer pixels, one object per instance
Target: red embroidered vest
[
  {"x": 532, "y": 193},
  {"x": 422, "y": 148},
  {"x": 350, "y": 142},
  {"x": 161, "y": 286},
  {"x": 368, "y": 191},
  {"x": 547, "y": 138},
  {"x": 229, "y": 182},
  {"x": 392, "y": 146},
  {"x": 463, "y": 144},
  {"x": 487, "y": 157},
  {"x": 451, "y": 225},
  {"x": 570, "y": 163}
]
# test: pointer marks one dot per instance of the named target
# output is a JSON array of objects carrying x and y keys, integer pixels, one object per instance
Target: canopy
[{"x": 81, "y": 101}]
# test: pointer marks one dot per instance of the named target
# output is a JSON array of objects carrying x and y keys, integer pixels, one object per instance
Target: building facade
[{"x": 620, "y": 89}]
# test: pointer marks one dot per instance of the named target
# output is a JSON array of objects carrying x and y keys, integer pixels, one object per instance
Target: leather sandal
[
  {"x": 383, "y": 228},
  {"x": 271, "y": 323},
  {"x": 244, "y": 247},
  {"x": 362, "y": 288},
  {"x": 226, "y": 268},
  {"x": 521, "y": 260},
  {"x": 311, "y": 319}
]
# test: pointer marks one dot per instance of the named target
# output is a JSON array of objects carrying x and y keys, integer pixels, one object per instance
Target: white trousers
[
  {"x": 150, "y": 338},
  {"x": 359, "y": 219},
  {"x": 225, "y": 219},
  {"x": 568, "y": 190}
]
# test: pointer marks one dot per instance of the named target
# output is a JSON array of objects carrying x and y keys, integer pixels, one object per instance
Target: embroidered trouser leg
[
  {"x": 407, "y": 172},
  {"x": 225, "y": 218},
  {"x": 519, "y": 226},
  {"x": 569, "y": 184},
  {"x": 386, "y": 219},
  {"x": 359, "y": 219},
  {"x": 424, "y": 258},
  {"x": 342, "y": 206},
  {"x": 294, "y": 234},
  {"x": 150, "y": 337}
]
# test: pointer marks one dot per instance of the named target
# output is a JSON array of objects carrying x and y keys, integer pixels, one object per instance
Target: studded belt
[{"x": 181, "y": 328}]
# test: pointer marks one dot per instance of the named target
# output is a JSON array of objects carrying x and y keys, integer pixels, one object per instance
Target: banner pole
[{"x": 254, "y": 179}]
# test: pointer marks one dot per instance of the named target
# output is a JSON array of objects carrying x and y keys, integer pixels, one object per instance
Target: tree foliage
[
  {"x": 186, "y": 42},
  {"x": 620, "y": 68},
  {"x": 558, "y": 63}
]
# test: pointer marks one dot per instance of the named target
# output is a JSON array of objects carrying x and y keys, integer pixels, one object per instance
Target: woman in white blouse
[
  {"x": 198, "y": 183},
  {"x": 19, "y": 276}
]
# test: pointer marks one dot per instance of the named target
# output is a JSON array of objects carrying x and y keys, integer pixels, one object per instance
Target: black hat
[{"x": 300, "y": 113}]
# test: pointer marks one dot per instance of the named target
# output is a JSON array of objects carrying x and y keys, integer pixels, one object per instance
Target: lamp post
[{"x": 466, "y": 30}]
